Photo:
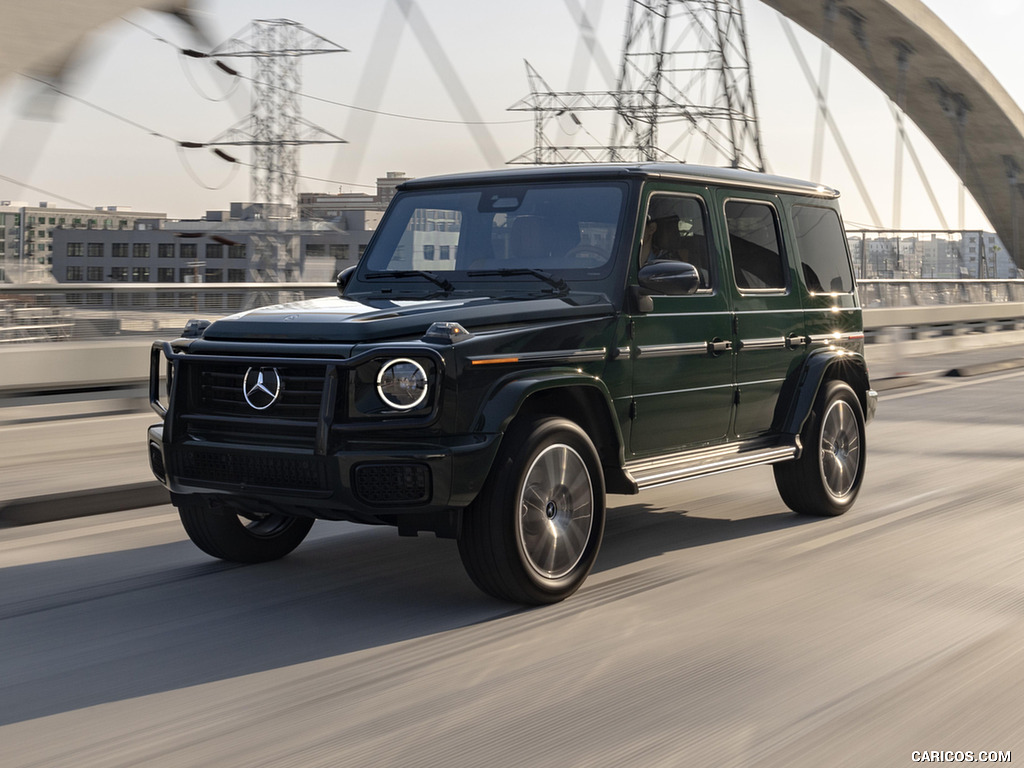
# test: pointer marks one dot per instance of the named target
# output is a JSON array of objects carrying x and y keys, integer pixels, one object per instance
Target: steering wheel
[{"x": 586, "y": 255}]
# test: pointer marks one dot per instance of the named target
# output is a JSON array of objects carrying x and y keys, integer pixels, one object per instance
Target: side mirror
[
  {"x": 343, "y": 279},
  {"x": 669, "y": 278}
]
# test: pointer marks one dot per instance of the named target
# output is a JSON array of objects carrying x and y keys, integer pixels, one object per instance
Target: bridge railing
[
  {"x": 101, "y": 311},
  {"x": 906, "y": 254},
  {"x": 88, "y": 312},
  {"x": 891, "y": 294}
]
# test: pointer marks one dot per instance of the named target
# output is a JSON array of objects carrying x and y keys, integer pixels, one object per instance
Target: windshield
[{"x": 526, "y": 233}]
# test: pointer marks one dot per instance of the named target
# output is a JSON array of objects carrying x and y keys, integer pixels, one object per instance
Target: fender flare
[
  {"x": 799, "y": 393},
  {"x": 512, "y": 393}
]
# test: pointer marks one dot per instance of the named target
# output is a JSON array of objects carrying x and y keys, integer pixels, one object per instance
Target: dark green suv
[{"x": 513, "y": 346}]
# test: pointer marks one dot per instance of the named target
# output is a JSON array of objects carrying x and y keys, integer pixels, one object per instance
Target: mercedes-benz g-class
[{"x": 513, "y": 346}]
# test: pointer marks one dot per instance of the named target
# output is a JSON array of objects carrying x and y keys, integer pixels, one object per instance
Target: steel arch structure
[{"x": 919, "y": 63}]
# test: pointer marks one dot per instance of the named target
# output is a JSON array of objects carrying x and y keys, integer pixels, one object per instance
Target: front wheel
[
  {"x": 252, "y": 539},
  {"x": 826, "y": 478},
  {"x": 533, "y": 534}
]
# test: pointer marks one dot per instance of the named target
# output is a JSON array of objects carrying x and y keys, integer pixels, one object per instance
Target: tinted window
[
  {"x": 754, "y": 244},
  {"x": 822, "y": 246},
  {"x": 676, "y": 230}
]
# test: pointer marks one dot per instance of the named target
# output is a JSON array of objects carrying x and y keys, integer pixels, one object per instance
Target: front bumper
[{"x": 363, "y": 480}]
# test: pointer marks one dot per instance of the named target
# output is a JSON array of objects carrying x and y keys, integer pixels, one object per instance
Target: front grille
[
  {"x": 220, "y": 391},
  {"x": 392, "y": 484},
  {"x": 218, "y": 412},
  {"x": 299, "y": 473}
]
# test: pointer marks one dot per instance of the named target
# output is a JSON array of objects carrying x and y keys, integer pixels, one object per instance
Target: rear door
[
  {"x": 768, "y": 329},
  {"x": 831, "y": 312}
]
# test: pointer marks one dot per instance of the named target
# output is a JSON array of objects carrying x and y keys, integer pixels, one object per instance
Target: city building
[
  {"x": 217, "y": 248},
  {"x": 249, "y": 242},
  {"x": 337, "y": 207},
  {"x": 27, "y": 233}
]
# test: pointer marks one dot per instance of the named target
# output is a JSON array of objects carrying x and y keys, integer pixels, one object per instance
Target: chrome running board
[{"x": 651, "y": 473}]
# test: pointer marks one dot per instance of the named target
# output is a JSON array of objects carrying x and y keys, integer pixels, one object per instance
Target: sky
[{"x": 133, "y": 97}]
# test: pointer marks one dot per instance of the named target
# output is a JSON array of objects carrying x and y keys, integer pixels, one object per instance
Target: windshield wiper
[
  {"x": 437, "y": 280},
  {"x": 556, "y": 282}
]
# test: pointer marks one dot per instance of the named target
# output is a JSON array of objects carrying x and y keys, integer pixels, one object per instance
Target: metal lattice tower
[
  {"x": 275, "y": 128},
  {"x": 684, "y": 92}
]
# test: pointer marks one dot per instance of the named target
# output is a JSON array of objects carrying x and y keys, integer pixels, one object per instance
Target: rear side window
[
  {"x": 822, "y": 246},
  {"x": 755, "y": 246}
]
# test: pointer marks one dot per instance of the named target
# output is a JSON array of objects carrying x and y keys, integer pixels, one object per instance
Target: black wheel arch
[
  {"x": 582, "y": 399},
  {"x": 800, "y": 390}
]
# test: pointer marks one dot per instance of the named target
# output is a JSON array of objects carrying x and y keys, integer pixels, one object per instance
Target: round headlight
[{"x": 402, "y": 384}]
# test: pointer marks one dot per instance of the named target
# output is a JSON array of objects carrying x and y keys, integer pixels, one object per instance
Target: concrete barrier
[{"x": 71, "y": 365}]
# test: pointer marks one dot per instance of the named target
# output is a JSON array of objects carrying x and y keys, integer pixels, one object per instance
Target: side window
[
  {"x": 676, "y": 230},
  {"x": 822, "y": 246},
  {"x": 755, "y": 246}
]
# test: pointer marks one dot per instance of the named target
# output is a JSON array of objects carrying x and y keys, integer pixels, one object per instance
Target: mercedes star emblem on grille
[{"x": 261, "y": 387}]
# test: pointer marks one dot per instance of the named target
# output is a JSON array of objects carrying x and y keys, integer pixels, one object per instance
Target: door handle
[
  {"x": 717, "y": 346},
  {"x": 796, "y": 340}
]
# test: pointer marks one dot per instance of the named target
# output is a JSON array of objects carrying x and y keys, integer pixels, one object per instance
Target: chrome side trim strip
[
  {"x": 833, "y": 338},
  {"x": 775, "y": 343},
  {"x": 673, "y": 350}
]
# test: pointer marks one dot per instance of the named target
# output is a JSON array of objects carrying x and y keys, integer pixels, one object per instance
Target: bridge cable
[
  {"x": 896, "y": 110},
  {"x": 824, "y": 69},
  {"x": 830, "y": 121}
]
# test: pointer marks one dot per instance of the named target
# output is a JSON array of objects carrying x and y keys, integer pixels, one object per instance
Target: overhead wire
[
  {"x": 181, "y": 144},
  {"x": 46, "y": 192},
  {"x": 98, "y": 108},
  {"x": 384, "y": 113}
]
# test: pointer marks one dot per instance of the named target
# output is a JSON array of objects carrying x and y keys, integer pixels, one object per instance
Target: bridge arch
[{"x": 917, "y": 61}]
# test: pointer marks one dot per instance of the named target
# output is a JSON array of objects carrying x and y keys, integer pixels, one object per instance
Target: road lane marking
[
  {"x": 952, "y": 385},
  {"x": 93, "y": 530}
]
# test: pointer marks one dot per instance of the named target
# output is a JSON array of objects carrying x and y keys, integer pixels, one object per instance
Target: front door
[{"x": 682, "y": 350}]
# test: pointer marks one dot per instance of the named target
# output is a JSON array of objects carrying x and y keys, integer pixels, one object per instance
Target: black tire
[
  {"x": 533, "y": 534},
  {"x": 226, "y": 535},
  {"x": 826, "y": 478}
]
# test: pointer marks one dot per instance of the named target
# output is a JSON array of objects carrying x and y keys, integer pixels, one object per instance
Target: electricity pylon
[{"x": 684, "y": 92}]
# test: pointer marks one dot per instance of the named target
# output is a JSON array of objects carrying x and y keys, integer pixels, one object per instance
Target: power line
[
  {"x": 177, "y": 142},
  {"x": 104, "y": 110},
  {"x": 44, "y": 191},
  {"x": 384, "y": 113},
  {"x": 388, "y": 114}
]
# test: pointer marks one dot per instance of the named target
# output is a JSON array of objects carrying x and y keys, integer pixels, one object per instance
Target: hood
[{"x": 342, "y": 320}]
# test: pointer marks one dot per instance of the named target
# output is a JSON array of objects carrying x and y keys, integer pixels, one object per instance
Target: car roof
[{"x": 700, "y": 174}]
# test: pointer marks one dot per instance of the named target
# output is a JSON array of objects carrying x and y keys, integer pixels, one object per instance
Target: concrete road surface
[{"x": 717, "y": 630}]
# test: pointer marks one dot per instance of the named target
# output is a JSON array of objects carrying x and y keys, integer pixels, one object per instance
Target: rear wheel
[
  {"x": 242, "y": 539},
  {"x": 826, "y": 478},
  {"x": 533, "y": 534}
]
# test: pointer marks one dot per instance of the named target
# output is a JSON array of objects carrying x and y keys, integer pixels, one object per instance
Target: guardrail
[
  {"x": 891, "y": 293},
  {"x": 101, "y": 311},
  {"x": 94, "y": 311}
]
